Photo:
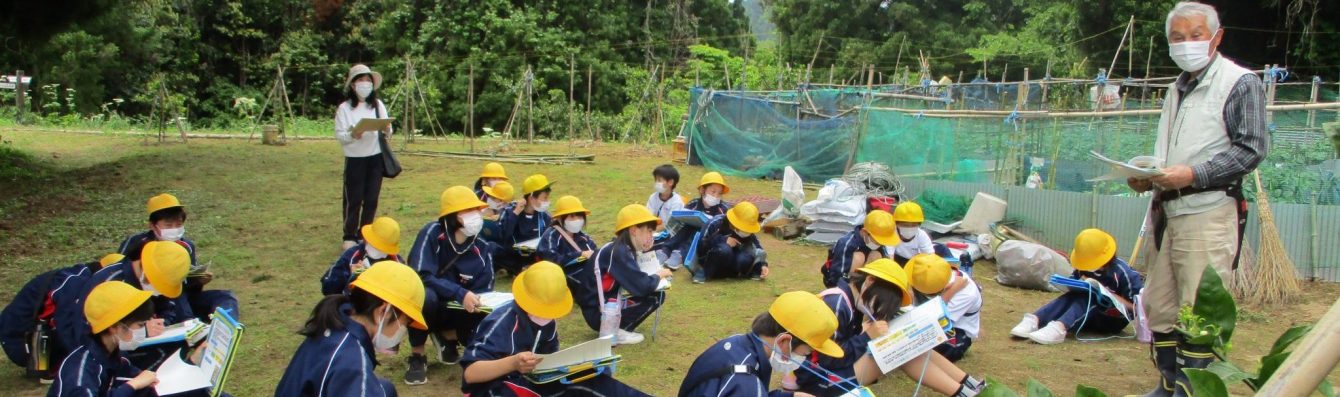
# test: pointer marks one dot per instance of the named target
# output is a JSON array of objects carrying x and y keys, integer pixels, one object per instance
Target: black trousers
[{"x": 362, "y": 188}]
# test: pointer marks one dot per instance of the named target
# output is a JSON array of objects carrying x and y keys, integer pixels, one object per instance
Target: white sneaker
[
  {"x": 1052, "y": 334},
  {"x": 628, "y": 338},
  {"x": 1025, "y": 327}
]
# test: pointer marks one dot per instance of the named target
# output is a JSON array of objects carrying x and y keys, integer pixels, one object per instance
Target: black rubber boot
[
  {"x": 1164, "y": 354},
  {"x": 1190, "y": 356}
]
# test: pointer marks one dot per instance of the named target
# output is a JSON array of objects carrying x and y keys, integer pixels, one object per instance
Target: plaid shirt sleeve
[{"x": 1245, "y": 119}]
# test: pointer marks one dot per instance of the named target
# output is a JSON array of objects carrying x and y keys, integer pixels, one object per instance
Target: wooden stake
[
  {"x": 1312, "y": 359},
  {"x": 409, "y": 100},
  {"x": 530, "y": 105},
  {"x": 589, "y": 81},
  {"x": 1312, "y": 114},
  {"x": 810, "y": 66},
  {"x": 470, "y": 108},
  {"x": 572, "y": 80},
  {"x": 20, "y": 91},
  {"x": 830, "y": 74},
  {"x": 728, "y": 85}
]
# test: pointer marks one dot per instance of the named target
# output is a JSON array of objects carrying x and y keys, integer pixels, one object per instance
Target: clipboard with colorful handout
[
  {"x": 578, "y": 363},
  {"x": 177, "y": 376},
  {"x": 488, "y": 301},
  {"x": 1102, "y": 296}
]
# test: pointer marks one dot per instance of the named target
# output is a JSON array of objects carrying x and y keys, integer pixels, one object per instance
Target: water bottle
[
  {"x": 1142, "y": 332},
  {"x": 610, "y": 315}
]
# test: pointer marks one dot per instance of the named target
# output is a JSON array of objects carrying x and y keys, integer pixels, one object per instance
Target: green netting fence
[{"x": 986, "y": 132}]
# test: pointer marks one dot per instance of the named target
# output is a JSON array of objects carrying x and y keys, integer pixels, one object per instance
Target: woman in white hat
[{"x": 363, "y": 165}]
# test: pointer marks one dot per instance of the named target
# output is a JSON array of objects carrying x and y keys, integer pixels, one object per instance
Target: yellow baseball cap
[
  {"x": 459, "y": 198},
  {"x": 805, "y": 316},
  {"x": 882, "y": 227},
  {"x": 568, "y": 205},
  {"x": 502, "y": 191},
  {"x": 634, "y": 214},
  {"x": 383, "y": 234},
  {"x": 165, "y": 264},
  {"x": 397, "y": 285},
  {"x": 888, "y": 270},
  {"x": 110, "y": 302},
  {"x": 929, "y": 273},
  {"x": 908, "y": 211},
  {"x": 1093, "y": 249},
  {"x": 493, "y": 170},
  {"x": 162, "y": 202},
  {"x": 714, "y": 177},
  {"x": 744, "y": 217},
  {"x": 110, "y": 259},
  {"x": 542, "y": 290},
  {"x": 535, "y": 183}
]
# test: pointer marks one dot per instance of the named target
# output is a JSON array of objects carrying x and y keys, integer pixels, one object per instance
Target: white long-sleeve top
[{"x": 346, "y": 117}]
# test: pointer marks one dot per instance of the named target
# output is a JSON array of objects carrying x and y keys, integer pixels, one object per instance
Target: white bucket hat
[{"x": 361, "y": 69}]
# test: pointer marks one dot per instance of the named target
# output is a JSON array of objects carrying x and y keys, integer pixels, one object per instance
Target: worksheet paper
[{"x": 910, "y": 335}]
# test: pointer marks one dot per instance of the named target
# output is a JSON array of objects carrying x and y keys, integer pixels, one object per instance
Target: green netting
[{"x": 819, "y": 132}]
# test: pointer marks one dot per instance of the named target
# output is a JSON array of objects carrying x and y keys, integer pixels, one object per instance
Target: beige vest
[{"x": 1194, "y": 131}]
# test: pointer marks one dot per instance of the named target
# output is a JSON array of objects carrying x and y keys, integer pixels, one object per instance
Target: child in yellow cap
[
  {"x": 167, "y": 222},
  {"x": 932, "y": 276},
  {"x": 511, "y": 339},
  {"x": 27, "y": 312},
  {"x": 344, "y": 332},
  {"x": 1095, "y": 261},
  {"x": 524, "y": 221},
  {"x": 489, "y": 177},
  {"x": 116, "y": 314},
  {"x": 728, "y": 247}
]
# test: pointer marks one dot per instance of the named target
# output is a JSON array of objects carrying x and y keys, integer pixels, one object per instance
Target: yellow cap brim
[
  {"x": 828, "y": 348},
  {"x": 571, "y": 211},
  {"x": 906, "y": 290},
  {"x": 887, "y": 240}
]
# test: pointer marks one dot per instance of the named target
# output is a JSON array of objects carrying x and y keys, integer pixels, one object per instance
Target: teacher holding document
[{"x": 363, "y": 163}]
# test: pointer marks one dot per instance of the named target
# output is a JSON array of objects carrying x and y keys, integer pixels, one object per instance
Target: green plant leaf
[
  {"x": 1215, "y": 304},
  {"x": 1326, "y": 389},
  {"x": 1037, "y": 389},
  {"x": 1205, "y": 383},
  {"x": 1269, "y": 364},
  {"x": 1086, "y": 391},
  {"x": 1228, "y": 372},
  {"x": 996, "y": 388},
  {"x": 1288, "y": 338}
]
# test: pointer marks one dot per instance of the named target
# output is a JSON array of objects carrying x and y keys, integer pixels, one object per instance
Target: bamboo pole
[
  {"x": 1045, "y": 114},
  {"x": 865, "y": 118},
  {"x": 572, "y": 81},
  {"x": 589, "y": 82},
  {"x": 1312, "y": 114},
  {"x": 1311, "y": 360},
  {"x": 530, "y": 105},
  {"x": 470, "y": 108}
]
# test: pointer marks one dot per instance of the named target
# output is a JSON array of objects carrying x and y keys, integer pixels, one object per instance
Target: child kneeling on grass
[
  {"x": 381, "y": 241},
  {"x": 510, "y": 340},
  {"x": 1095, "y": 261}
]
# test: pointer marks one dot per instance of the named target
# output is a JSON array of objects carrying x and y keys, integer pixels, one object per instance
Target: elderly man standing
[{"x": 1211, "y": 133}]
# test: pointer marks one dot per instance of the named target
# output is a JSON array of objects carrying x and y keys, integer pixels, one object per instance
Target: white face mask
[
  {"x": 710, "y": 200},
  {"x": 1191, "y": 56},
  {"x": 743, "y": 234},
  {"x": 363, "y": 89},
  {"x": 872, "y": 244},
  {"x": 540, "y": 321},
  {"x": 145, "y": 286},
  {"x": 543, "y": 207},
  {"x": 660, "y": 187},
  {"x": 783, "y": 365},
  {"x": 494, "y": 204},
  {"x": 383, "y": 342},
  {"x": 136, "y": 338},
  {"x": 171, "y": 234},
  {"x": 908, "y": 232},
  {"x": 574, "y": 225},
  {"x": 374, "y": 253},
  {"x": 472, "y": 223}
]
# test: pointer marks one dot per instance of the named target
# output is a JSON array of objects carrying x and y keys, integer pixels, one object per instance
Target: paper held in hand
[
  {"x": 589, "y": 351},
  {"x": 488, "y": 301},
  {"x": 911, "y": 335},
  {"x": 177, "y": 376},
  {"x": 371, "y": 124},
  {"x": 1139, "y": 167}
]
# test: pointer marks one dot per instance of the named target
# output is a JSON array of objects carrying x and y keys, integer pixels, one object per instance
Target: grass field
[{"x": 268, "y": 219}]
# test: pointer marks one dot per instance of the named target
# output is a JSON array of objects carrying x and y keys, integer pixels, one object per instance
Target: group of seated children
[{"x": 81, "y": 327}]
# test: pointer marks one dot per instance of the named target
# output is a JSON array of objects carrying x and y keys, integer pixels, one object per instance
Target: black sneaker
[
  {"x": 418, "y": 370},
  {"x": 448, "y": 354}
]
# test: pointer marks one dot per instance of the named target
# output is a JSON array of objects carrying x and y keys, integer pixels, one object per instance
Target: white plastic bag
[{"x": 1026, "y": 265}]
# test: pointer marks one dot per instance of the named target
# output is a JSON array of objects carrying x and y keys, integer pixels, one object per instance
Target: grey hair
[{"x": 1187, "y": 9}]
